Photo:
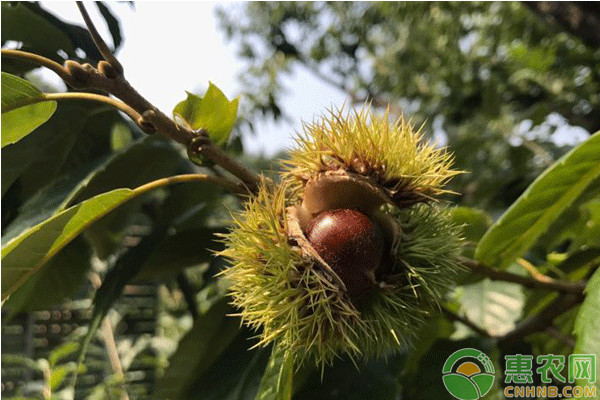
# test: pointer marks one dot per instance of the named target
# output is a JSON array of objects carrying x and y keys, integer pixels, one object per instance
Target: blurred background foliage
[
  {"x": 508, "y": 87},
  {"x": 492, "y": 81}
]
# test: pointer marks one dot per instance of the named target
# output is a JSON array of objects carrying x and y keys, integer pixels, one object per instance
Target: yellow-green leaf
[
  {"x": 27, "y": 253},
  {"x": 19, "y": 122},
  {"x": 551, "y": 194},
  {"x": 587, "y": 326},
  {"x": 276, "y": 383},
  {"x": 213, "y": 112}
]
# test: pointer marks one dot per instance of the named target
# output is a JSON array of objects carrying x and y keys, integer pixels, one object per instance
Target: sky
[{"x": 171, "y": 47}]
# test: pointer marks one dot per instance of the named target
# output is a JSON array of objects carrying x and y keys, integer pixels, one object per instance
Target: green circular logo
[{"x": 468, "y": 374}]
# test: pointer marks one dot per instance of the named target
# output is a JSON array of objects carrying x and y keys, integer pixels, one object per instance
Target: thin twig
[
  {"x": 542, "y": 320},
  {"x": 74, "y": 96},
  {"x": 452, "y": 316},
  {"x": 100, "y": 43},
  {"x": 561, "y": 337},
  {"x": 539, "y": 322},
  {"x": 538, "y": 281},
  {"x": 109, "y": 341}
]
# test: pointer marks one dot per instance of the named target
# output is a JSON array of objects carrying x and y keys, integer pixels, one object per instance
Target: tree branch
[
  {"x": 98, "y": 41},
  {"x": 452, "y": 316},
  {"x": 561, "y": 337},
  {"x": 538, "y": 281},
  {"x": 152, "y": 119},
  {"x": 542, "y": 320}
]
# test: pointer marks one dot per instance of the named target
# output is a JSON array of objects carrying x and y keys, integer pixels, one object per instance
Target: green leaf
[
  {"x": 58, "y": 374},
  {"x": 475, "y": 222},
  {"x": 276, "y": 383},
  {"x": 373, "y": 380},
  {"x": 179, "y": 251},
  {"x": 213, "y": 112},
  {"x": 21, "y": 24},
  {"x": 235, "y": 375},
  {"x": 432, "y": 329},
  {"x": 37, "y": 159},
  {"x": 112, "y": 22},
  {"x": 59, "y": 280},
  {"x": 543, "y": 202},
  {"x": 492, "y": 305},
  {"x": 143, "y": 161},
  {"x": 126, "y": 267},
  {"x": 198, "y": 350},
  {"x": 49, "y": 200},
  {"x": 30, "y": 251},
  {"x": 61, "y": 352},
  {"x": 21, "y": 121},
  {"x": 580, "y": 259},
  {"x": 587, "y": 325}
]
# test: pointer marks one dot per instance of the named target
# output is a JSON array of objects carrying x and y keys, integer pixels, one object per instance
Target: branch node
[
  {"x": 100, "y": 43},
  {"x": 78, "y": 74},
  {"x": 107, "y": 70}
]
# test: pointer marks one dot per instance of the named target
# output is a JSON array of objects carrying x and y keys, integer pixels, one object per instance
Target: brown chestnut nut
[{"x": 351, "y": 243}]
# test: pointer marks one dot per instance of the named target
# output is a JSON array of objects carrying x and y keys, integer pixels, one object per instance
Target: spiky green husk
[
  {"x": 294, "y": 302},
  {"x": 392, "y": 156}
]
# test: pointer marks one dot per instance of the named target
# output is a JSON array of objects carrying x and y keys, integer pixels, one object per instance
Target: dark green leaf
[
  {"x": 475, "y": 222},
  {"x": 39, "y": 157},
  {"x": 144, "y": 161},
  {"x": 112, "y": 22},
  {"x": 373, "y": 380},
  {"x": 27, "y": 253},
  {"x": 277, "y": 381},
  {"x": 543, "y": 202},
  {"x": 21, "y": 24},
  {"x": 235, "y": 375},
  {"x": 125, "y": 268},
  {"x": 580, "y": 259},
  {"x": 433, "y": 329},
  {"x": 21, "y": 121},
  {"x": 77, "y": 34},
  {"x": 59, "y": 280},
  {"x": 213, "y": 112},
  {"x": 197, "y": 351},
  {"x": 587, "y": 325},
  {"x": 179, "y": 251},
  {"x": 49, "y": 200}
]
